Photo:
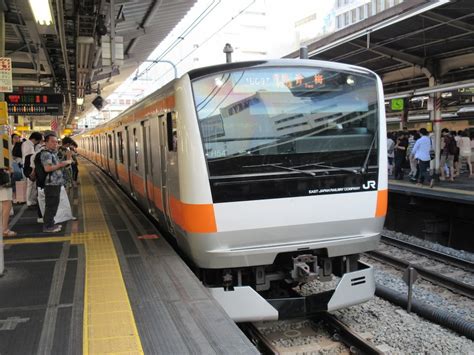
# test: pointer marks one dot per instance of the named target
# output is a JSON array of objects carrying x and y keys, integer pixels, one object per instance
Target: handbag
[
  {"x": 64, "y": 212},
  {"x": 432, "y": 154},
  {"x": 5, "y": 180}
]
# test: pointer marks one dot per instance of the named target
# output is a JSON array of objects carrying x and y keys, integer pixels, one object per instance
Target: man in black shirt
[{"x": 400, "y": 155}]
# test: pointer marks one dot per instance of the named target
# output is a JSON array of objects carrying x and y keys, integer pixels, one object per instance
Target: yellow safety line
[
  {"x": 109, "y": 325},
  {"x": 30, "y": 240},
  {"x": 436, "y": 188}
]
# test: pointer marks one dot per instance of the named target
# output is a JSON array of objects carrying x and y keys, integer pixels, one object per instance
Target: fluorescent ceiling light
[
  {"x": 80, "y": 101},
  {"x": 41, "y": 11}
]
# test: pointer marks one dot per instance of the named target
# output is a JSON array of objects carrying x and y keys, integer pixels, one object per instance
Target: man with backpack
[
  {"x": 49, "y": 174},
  {"x": 27, "y": 152},
  {"x": 448, "y": 150}
]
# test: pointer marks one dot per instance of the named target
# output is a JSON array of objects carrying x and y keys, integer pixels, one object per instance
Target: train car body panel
[
  {"x": 258, "y": 166},
  {"x": 194, "y": 177}
]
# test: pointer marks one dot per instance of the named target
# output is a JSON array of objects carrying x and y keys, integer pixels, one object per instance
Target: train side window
[
  {"x": 172, "y": 131},
  {"x": 120, "y": 147},
  {"x": 135, "y": 143},
  {"x": 109, "y": 137}
]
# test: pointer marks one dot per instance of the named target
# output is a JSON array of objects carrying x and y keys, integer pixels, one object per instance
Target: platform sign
[
  {"x": 22, "y": 128},
  {"x": 36, "y": 90},
  {"x": 466, "y": 91},
  {"x": 397, "y": 104},
  {"x": 6, "y": 83},
  {"x": 35, "y": 104}
]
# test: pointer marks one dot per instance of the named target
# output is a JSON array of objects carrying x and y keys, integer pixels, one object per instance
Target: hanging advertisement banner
[{"x": 6, "y": 84}]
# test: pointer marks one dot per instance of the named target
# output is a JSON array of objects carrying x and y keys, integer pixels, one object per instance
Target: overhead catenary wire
[
  {"x": 212, "y": 35},
  {"x": 183, "y": 35}
]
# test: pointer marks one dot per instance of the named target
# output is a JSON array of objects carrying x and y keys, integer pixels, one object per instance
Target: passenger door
[
  {"x": 114, "y": 155},
  {"x": 164, "y": 170},
  {"x": 149, "y": 173}
]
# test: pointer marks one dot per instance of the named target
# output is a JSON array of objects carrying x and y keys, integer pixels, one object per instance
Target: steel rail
[
  {"x": 261, "y": 342},
  {"x": 341, "y": 332},
  {"x": 441, "y": 280},
  {"x": 433, "y": 254}
]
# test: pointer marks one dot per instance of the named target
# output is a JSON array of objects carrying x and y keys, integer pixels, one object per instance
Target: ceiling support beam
[
  {"x": 62, "y": 39},
  {"x": 398, "y": 38},
  {"x": 155, "y": 5},
  {"x": 449, "y": 21},
  {"x": 392, "y": 54}
]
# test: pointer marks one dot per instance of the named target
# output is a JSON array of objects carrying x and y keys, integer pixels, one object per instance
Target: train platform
[
  {"x": 461, "y": 190},
  {"x": 109, "y": 283}
]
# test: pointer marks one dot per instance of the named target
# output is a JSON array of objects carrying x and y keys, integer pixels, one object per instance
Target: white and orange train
[{"x": 266, "y": 173}]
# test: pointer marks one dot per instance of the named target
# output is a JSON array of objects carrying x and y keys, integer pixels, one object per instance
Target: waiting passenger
[
  {"x": 28, "y": 151},
  {"x": 16, "y": 162},
  {"x": 54, "y": 180},
  {"x": 65, "y": 153},
  {"x": 400, "y": 151},
  {"x": 6, "y": 196},
  {"x": 464, "y": 144},
  {"x": 411, "y": 143},
  {"x": 75, "y": 164},
  {"x": 448, "y": 150},
  {"x": 390, "y": 152},
  {"x": 421, "y": 152}
]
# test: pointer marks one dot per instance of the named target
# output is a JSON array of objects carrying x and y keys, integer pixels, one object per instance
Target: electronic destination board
[{"x": 34, "y": 104}]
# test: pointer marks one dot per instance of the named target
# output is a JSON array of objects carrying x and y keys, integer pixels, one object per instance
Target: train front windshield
[{"x": 293, "y": 121}]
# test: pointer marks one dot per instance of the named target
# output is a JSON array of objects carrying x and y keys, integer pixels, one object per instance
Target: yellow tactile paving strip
[{"x": 109, "y": 324}]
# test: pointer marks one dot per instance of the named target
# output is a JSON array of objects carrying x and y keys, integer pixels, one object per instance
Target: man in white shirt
[
  {"x": 421, "y": 152},
  {"x": 28, "y": 152}
]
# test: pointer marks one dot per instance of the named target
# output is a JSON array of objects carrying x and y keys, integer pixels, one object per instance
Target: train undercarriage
[{"x": 271, "y": 292}]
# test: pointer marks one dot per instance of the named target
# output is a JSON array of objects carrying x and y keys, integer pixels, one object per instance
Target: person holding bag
[{"x": 53, "y": 182}]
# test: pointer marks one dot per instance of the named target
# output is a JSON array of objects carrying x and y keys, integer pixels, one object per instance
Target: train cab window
[
  {"x": 136, "y": 146},
  {"x": 109, "y": 137},
  {"x": 120, "y": 146}
]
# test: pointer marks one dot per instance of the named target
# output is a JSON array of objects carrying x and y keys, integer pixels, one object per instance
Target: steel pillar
[{"x": 436, "y": 119}]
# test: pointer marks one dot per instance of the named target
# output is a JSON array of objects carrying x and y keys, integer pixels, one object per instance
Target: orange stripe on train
[
  {"x": 122, "y": 172},
  {"x": 193, "y": 218},
  {"x": 382, "y": 203}
]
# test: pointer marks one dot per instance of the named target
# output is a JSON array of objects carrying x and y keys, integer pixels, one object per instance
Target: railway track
[
  {"x": 433, "y": 254},
  {"x": 429, "y": 275},
  {"x": 326, "y": 333}
]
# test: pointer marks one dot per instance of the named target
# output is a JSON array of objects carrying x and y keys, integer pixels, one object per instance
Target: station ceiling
[
  {"x": 407, "y": 44},
  {"x": 69, "y": 55}
]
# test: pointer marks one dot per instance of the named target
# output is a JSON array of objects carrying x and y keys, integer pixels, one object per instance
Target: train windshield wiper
[
  {"x": 279, "y": 166},
  {"x": 363, "y": 168},
  {"x": 332, "y": 167}
]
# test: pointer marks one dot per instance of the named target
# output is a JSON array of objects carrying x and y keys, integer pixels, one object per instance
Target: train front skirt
[{"x": 244, "y": 304}]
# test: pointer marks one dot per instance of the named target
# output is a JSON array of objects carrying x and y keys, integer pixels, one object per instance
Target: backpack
[
  {"x": 16, "y": 151},
  {"x": 41, "y": 174},
  {"x": 27, "y": 169},
  {"x": 452, "y": 146}
]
